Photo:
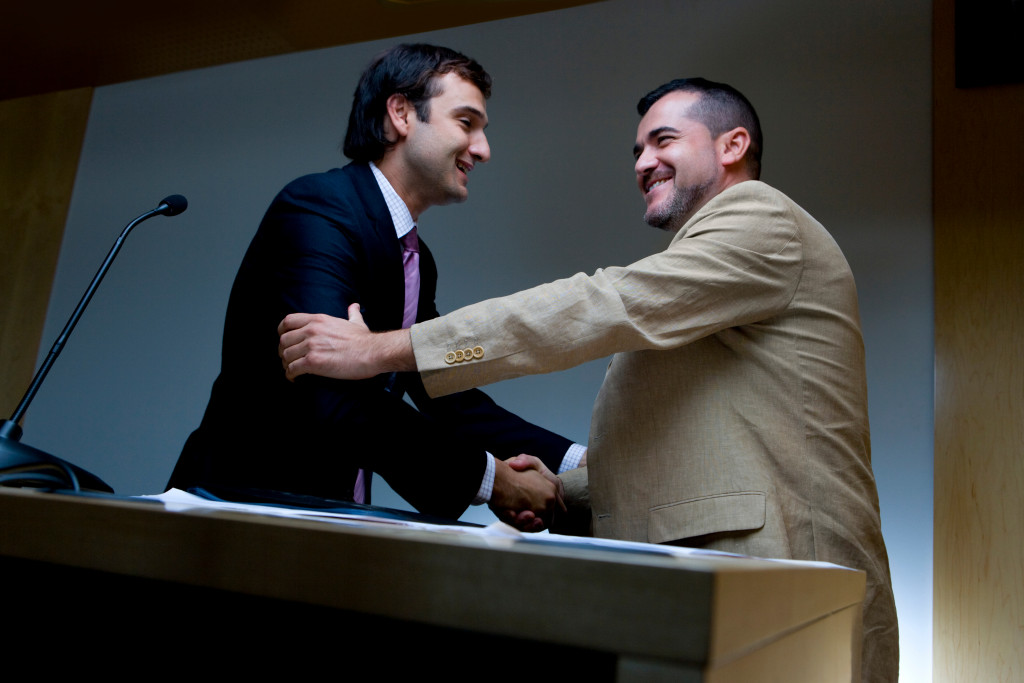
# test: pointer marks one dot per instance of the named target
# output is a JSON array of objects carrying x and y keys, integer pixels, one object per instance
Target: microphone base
[{"x": 23, "y": 466}]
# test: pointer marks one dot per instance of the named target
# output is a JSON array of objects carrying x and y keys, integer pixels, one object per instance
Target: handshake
[{"x": 526, "y": 494}]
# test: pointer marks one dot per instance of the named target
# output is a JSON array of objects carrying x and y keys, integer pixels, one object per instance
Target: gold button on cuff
[
  {"x": 460, "y": 356},
  {"x": 478, "y": 352},
  {"x": 449, "y": 358},
  {"x": 468, "y": 353}
]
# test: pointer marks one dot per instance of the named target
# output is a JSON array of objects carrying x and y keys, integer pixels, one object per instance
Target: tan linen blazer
[{"x": 734, "y": 412}]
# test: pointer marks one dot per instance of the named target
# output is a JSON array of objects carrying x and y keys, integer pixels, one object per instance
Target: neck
[
  {"x": 392, "y": 170},
  {"x": 733, "y": 176}
]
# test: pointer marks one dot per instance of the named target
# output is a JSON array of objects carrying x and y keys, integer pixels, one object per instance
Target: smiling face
[
  {"x": 677, "y": 166},
  {"x": 432, "y": 160}
]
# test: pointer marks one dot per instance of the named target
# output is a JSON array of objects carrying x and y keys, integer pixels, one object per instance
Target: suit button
[
  {"x": 468, "y": 353},
  {"x": 460, "y": 356},
  {"x": 449, "y": 358},
  {"x": 478, "y": 352}
]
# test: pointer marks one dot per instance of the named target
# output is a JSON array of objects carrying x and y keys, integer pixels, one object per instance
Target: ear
[
  {"x": 732, "y": 147},
  {"x": 396, "y": 121}
]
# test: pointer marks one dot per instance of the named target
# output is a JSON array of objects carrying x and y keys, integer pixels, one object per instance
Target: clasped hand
[{"x": 526, "y": 495}]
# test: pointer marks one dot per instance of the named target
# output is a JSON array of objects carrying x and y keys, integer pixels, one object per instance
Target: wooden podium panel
[{"x": 305, "y": 592}]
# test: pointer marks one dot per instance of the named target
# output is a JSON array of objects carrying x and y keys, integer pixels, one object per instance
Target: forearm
[{"x": 391, "y": 352}]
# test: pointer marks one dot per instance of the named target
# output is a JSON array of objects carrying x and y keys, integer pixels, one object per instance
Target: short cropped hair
[
  {"x": 411, "y": 70},
  {"x": 721, "y": 108}
]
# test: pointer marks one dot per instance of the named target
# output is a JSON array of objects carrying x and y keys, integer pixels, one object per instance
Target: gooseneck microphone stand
[{"x": 25, "y": 466}]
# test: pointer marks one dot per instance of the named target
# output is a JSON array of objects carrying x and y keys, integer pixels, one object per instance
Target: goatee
[{"x": 683, "y": 204}]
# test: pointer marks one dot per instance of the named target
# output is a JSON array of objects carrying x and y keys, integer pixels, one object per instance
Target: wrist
[
  {"x": 502, "y": 492},
  {"x": 392, "y": 352}
]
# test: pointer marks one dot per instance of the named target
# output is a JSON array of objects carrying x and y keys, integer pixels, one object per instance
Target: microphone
[
  {"x": 173, "y": 205},
  {"x": 22, "y": 465}
]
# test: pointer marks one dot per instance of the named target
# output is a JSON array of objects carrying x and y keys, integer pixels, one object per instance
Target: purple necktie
[
  {"x": 411, "y": 261},
  {"x": 411, "y": 264}
]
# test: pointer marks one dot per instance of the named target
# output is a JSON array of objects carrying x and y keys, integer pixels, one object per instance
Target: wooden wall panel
[
  {"x": 979, "y": 373},
  {"x": 39, "y": 148}
]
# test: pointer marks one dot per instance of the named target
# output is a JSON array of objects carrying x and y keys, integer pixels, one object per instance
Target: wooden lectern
[{"x": 87, "y": 579}]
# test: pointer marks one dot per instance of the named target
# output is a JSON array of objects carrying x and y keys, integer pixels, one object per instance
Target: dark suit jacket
[{"x": 327, "y": 241}]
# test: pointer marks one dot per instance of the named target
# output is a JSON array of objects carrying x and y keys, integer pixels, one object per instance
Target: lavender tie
[{"x": 411, "y": 263}]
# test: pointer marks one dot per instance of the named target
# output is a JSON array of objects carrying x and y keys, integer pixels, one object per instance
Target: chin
[
  {"x": 660, "y": 220},
  {"x": 455, "y": 198},
  {"x": 654, "y": 217}
]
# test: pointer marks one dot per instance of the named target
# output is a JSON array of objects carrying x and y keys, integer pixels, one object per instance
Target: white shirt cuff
[
  {"x": 572, "y": 458},
  {"x": 483, "y": 495}
]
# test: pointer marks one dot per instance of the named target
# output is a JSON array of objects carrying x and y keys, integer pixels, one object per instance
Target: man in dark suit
[{"x": 416, "y": 130}]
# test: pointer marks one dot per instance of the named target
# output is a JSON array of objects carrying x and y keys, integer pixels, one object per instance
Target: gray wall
[{"x": 843, "y": 90}]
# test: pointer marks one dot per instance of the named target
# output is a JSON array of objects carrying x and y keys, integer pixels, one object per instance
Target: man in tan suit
[{"x": 734, "y": 412}]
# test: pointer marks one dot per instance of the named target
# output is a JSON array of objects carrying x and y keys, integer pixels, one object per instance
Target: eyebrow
[
  {"x": 468, "y": 109},
  {"x": 637, "y": 148}
]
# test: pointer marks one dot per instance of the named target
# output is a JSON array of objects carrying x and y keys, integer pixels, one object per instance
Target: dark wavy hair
[
  {"x": 721, "y": 108},
  {"x": 410, "y": 70}
]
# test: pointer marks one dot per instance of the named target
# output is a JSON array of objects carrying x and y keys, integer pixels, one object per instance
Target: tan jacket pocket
[{"x": 743, "y": 511}]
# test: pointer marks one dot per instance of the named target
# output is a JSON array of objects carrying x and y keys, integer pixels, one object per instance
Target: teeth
[
  {"x": 461, "y": 167},
  {"x": 656, "y": 183}
]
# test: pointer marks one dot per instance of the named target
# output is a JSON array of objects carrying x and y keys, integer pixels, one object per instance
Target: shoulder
[
  {"x": 337, "y": 184},
  {"x": 760, "y": 199},
  {"x": 749, "y": 205},
  {"x": 746, "y": 205},
  {"x": 348, "y": 194},
  {"x": 750, "y": 197},
  {"x": 773, "y": 207},
  {"x": 751, "y": 216}
]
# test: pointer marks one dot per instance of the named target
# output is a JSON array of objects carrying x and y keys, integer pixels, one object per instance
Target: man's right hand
[
  {"x": 528, "y": 496},
  {"x": 318, "y": 344}
]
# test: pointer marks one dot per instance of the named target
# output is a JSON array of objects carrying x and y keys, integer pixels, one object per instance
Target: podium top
[{"x": 698, "y": 608}]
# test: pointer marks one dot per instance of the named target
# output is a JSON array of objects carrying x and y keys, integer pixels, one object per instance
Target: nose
[
  {"x": 644, "y": 163},
  {"x": 479, "y": 148}
]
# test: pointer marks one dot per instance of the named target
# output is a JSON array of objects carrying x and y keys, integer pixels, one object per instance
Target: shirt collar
[{"x": 400, "y": 215}]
